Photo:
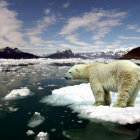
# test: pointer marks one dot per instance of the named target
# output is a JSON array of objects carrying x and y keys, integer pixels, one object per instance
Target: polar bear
[{"x": 121, "y": 76}]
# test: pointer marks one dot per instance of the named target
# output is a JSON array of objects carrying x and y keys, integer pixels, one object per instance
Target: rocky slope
[{"x": 133, "y": 54}]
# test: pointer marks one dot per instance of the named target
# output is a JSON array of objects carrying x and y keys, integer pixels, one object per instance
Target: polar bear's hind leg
[
  {"x": 107, "y": 98},
  {"x": 132, "y": 99},
  {"x": 127, "y": 90}
]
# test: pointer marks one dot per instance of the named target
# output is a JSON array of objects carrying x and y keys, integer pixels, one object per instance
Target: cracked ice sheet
[{"x": 80, "y": 98}]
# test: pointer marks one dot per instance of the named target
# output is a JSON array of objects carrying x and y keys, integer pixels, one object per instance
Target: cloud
[
  {"x": 47, "y": 11},
  {"x": 66, "y": 5},
  {"x": 73, "y": 39},
  {"x": 129, "y": 37},
  {"x": 10, "y": 26},
  {"x": 11, "y": 30},
  {"x": 114, "y": 45},
  {"x": 99, "y": 42},
  {"x": 138, "y": 30},
  {"x": 133, "y": 27},
  {"x": 99, "y": 22},
  {"x": 41, "y": 26},
  {"x": 101, "y": 33}
]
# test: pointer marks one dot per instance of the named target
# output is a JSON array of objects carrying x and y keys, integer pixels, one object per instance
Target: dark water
[{"x": 60, "y": 122}]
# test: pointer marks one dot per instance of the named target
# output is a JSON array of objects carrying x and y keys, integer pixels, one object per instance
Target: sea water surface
[{"x": 25, "y": 84}]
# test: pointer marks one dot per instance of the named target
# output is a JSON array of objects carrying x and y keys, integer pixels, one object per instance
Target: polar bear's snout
[{"x": 68, "y": 76}]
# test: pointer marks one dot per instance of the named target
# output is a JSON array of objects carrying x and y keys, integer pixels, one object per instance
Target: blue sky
[{"x": 45, "y": 26}]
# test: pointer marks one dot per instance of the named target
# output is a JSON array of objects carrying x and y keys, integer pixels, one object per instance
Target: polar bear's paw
[
  {"x": 97, "y": 103},
  {"x": 119, "y": 105}
]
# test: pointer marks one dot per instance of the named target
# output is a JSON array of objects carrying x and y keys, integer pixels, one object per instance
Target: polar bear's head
[{"x": 77, "y": 72}]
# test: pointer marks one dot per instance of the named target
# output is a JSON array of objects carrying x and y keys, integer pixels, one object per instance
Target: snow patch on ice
[
  {"x": 80, "y": 99},
  {"x": 36, "y": 120},
  {"x": 18, "y": 94}
]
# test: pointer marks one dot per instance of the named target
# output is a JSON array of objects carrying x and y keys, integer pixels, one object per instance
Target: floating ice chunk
[
  {"x": 80, "y": 121},
  {"x": 36, "y": 120},
  {"x": 36, "y": 114},
  {"x": 42, "y": 136},
  {"x": 51, "y": 85},
  {"x": 12, "y": 109},
  {"x": 40, "y": 88},
  {"x": 53, "y": 130},
  {"x": 80, "y": 99},
  {"x": 30, "y": 132},
  {"x": 18, "y": 94}
]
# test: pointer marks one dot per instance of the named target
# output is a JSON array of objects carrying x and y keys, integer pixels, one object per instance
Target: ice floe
[
  {"x": 18, "y": 94},
  {"x": 42, "y": 136},
  {"x": 80, "y": 99},
  {"x": 30, "y": 132},
  {"x": 36, "y": 120}
]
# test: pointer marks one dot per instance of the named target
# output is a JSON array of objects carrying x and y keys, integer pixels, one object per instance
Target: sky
[{"x": 46, "y": 26}]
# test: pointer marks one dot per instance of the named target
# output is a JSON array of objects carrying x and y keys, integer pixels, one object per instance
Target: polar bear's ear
[{"x": 77, "y": 70}]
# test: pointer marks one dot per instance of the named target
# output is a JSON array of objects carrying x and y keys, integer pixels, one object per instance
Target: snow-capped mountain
[
  {"x": 65, "y": 54},
  {"x": 117, "y": 53}
]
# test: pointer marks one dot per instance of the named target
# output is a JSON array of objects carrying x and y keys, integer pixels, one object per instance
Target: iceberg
[
  {"x": 80, "y": 99},
  {"x": 18, "y": 94}
]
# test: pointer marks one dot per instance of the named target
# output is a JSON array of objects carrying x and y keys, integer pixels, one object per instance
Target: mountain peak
[
  {"x": 64, "y": 54},
  {"x": 15, "y": 53}
]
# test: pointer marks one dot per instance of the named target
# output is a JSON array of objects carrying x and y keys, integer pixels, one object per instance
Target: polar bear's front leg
[{"x": 98, "y": 93}]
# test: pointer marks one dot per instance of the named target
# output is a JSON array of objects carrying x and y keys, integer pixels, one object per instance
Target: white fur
[{"x": 120, "y": 76}]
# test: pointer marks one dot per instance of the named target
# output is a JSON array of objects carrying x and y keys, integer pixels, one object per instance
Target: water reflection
[{"x": 106, "y": 131}]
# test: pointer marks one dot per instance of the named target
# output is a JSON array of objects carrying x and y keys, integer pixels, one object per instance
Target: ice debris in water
[
  {"x": 42, "y": 136},
  {"x": 12, "y": 109},
  {"x": 18, "y": 94},
  {"x": 36, "y": 120},
  {"x": 53, "y": 130},
  {"x": 40, "y": 88},
  {"x": 30, "y": 132},
  {"x": 80, "y": 99}
]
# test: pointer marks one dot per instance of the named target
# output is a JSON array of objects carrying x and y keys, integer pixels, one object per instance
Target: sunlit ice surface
[{"x": 80, "y": 99}]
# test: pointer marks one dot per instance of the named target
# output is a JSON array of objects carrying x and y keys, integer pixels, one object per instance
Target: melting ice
[
  {"x": 80, "y": 98},
  {"x": 18, "y": 94},
  {"x": 36, "y": 120},
  {"x": 42, "y": 136}
]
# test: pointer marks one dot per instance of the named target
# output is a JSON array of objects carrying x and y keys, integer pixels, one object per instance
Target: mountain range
[
  {"x": 65, "y": 54},
  {"x": 110, "y": 54},
  {"x": 129, "y": 53},
  {"x": 15, "y": 53}
]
